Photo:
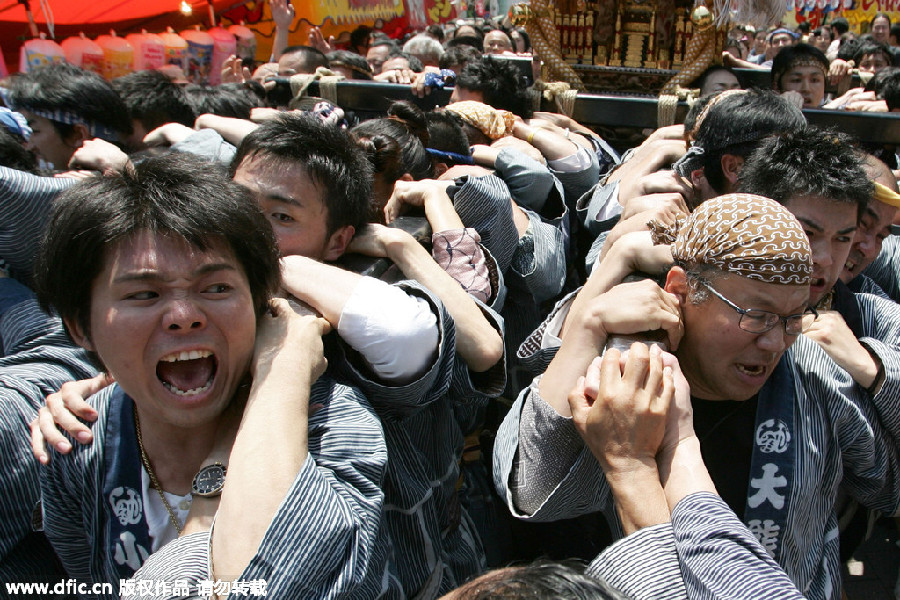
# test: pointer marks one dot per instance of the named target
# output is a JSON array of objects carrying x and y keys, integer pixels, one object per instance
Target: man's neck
[{"x": 176, "y": 454}]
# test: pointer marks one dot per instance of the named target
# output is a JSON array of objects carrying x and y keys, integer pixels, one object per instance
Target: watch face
[{"x": 209, "y": 481}]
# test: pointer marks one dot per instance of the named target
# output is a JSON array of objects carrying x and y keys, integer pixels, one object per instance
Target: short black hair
[
  {"x": 235, "y": 100},
  {"x": 540, "y": 580},
  {"x": 873, "y": 47},
  {"x": 735, "y": 124},
  {"x": 501, "y": 83},
  {"x": 878, "y": 80},
  {"x": 841, "y": 24},
  {"x": 458, "y": 55},
  {"x": 13, "y": 154},
  {"x": 445, "y": 132},
  {"x": 690, "y": 119},
  {"x": 848, "y": 47},
  {"x": 154, "y": 99},
  {"x": 889, "y": 88},
  {"x": 174, "y": 194},
  {"x": 330, "y": 157},
  {"x": 360, "y": 35},
  {"x": 65, "y": 88},
  {"x": 810, "y": 162},
  {"x": 312, "y": 58}
]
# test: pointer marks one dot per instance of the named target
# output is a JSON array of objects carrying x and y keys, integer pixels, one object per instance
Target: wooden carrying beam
[{"x": 368, "y": 99}]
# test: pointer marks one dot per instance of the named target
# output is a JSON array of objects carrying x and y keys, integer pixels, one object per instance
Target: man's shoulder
[
  {"x": 343, "y": 401},
  {"x": 327, "y": 389},
  {"x": 84, "y": 457}
]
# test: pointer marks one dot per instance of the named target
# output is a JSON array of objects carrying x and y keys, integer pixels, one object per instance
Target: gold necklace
[{"x": 153, "y": 480}]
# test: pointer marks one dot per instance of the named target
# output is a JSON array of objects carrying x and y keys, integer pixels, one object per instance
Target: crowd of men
[{"x": 679, "y": 365}]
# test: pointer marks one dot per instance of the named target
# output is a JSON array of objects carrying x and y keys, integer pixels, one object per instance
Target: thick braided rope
[
  {"x": 560, "y": 93},
  {"x": 545, "y": 39},
  {"x": 566, "y": 101},
  {"x": 697, "y": 57},
  {"x": 665, "y": 110}
]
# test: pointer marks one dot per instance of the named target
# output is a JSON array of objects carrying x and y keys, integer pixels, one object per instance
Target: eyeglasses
[{"x": 754, "y": 320}]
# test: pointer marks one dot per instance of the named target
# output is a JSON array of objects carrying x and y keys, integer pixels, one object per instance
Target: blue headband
[
  {"x": 15, "y": 123},
  {"x": 782, "y": 30},
  {"x": 96, "y": 130},
  {"x": 461, "y": 159}
]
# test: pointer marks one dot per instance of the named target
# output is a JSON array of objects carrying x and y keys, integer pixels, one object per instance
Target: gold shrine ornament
[
  {"x": 519, "y": 14},
  {"x": 702, "y": 17}
]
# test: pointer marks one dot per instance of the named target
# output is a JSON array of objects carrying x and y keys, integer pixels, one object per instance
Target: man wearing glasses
[{"x": 781, "y": 426}]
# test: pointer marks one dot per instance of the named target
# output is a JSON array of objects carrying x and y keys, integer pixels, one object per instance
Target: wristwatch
[{"x": 209, "y": 480}]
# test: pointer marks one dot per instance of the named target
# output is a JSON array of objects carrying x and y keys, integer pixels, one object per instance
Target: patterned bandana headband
[
  {"x": 747, "y": 235},
  {"x": 494, "y": 123}
]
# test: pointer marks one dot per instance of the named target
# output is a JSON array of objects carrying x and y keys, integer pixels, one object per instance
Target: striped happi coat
[
  {"x": 327, "y": 533},
  {"x": 38, "y": 357},
  {"x": 844, "y": 437},
  {"x": 25, "y": 201},
  {"x": 704, "y": 552}
]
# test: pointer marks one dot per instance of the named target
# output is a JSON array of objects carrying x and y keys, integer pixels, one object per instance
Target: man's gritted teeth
[{"x": 852, "y": 262}]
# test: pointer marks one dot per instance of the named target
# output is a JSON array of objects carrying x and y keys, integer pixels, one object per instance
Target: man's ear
[
  {"x": 698, "y": 178},
  {"x": 79, "y": 336},
  {"x": 80, "y": 134},
  {"x": 731, "y": 167},
  {"x": 677, "y": 284},
  {"x": 406, "y": 177},
  {"x": 439, "y": 169},
  {"x": 337, "y": 243}
]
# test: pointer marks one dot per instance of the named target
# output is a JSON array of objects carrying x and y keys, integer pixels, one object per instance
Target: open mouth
[
  {"x": 187, "y": 373},
  {"x": 853, "y": 261},
  {"x": 751, "y": 370}
]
